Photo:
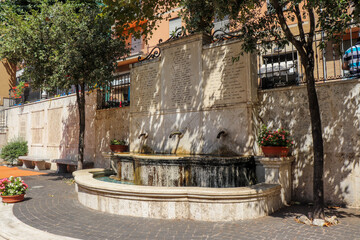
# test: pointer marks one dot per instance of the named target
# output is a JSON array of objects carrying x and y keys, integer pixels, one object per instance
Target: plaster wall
[{"x": 340, "y": 115}]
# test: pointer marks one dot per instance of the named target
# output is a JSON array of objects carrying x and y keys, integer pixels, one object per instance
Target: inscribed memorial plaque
[
  {"x": 145, "y": 81},
  {"x": 181, "y": 78},
  {"x": 225, "y": 76}
]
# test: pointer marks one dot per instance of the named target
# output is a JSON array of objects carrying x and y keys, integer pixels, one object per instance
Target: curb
[{"x": 13, "y": 229}]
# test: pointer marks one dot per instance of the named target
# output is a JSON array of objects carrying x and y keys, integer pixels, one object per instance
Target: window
[
  {"x": 270, "y": 8},
  {"x": 136, "y": 45},
  {"x": 279, "y": 69},
  {"x": 174, "y": 24},
  {"x": 117, "y": 94},
  {"x": 221, "y": 24}
]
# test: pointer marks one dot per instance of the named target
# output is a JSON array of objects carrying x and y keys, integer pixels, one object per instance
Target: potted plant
[
  {"x": 118, "y": 145},
  {"x": 274, "y": 143},
  {"x": 12, "y": 189},
  {"x": 20, "y": 88}
]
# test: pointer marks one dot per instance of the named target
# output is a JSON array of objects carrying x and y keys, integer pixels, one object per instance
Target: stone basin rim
[
  {"x": 85, "y": 179},
  {"x": 174, "y": 157}
]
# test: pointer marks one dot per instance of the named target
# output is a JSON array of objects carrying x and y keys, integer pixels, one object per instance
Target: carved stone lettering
[
  {"x": 180, "y": 78},
  {"x": 224, "y": 76},
  {"x": 146, "y": 84}
]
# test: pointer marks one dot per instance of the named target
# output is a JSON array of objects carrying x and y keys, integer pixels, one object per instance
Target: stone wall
[
  {"x": 51, "y": 128},
  {"x": 198, "y": 89},
  {"x": 340, "y": 113},
  {"x": 109, "y": 124},
  {"x": 3, "y": 139}
]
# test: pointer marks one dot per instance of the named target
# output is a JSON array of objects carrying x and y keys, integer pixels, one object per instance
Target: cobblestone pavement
[{"x": 51, "y": 205}]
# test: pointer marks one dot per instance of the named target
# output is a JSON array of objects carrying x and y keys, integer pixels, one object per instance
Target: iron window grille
[{"x": 116, "y": 94}]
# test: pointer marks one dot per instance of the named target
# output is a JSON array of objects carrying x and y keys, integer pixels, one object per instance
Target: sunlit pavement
[{"x": 51, "y": 211}]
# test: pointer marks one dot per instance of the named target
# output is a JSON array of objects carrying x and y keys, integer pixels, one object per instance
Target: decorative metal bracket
[
  {"x": 155, "y": 52},
  {"x": 221, "y": 35},
  {"x": 178, "y": 33}
]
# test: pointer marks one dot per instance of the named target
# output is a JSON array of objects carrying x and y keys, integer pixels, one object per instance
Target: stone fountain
[{"x": 196, "y": 106}]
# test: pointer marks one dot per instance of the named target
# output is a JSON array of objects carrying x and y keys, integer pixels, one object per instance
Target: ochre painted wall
[{"x": 7, "y": 78}]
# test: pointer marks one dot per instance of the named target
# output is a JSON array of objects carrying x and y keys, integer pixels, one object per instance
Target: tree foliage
[
  {"x": 20, "y": 6},
  {"x": 142, "y": 17},
  {"x": 26, "y": 6},
  {"x": 61, "y": 45},
  {"x": 256, "y": 23},
  {"x": 195, "y": 20},
  {"x": 138, "y": 17}
]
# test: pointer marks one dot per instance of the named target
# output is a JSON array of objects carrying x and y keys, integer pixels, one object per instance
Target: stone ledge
[
  {"x": 34, "y": 159},
  {"x": 276, "y": 170},
  {"x": 278, "y": 161}
]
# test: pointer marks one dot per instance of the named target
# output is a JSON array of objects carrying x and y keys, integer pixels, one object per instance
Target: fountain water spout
[
  {"x": 221, "y": 133},
  {"x": 144, "y": 135},
  {"x": 178, "y": 133}
]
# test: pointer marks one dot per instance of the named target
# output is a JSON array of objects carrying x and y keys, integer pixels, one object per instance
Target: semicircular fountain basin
[{"x": 159, "y": 200}]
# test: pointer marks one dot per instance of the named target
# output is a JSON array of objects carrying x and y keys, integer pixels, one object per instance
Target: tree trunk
[
  {"x": 305, "y": 49},
  {"x": 80, "y": 97},
  {"x": 316, "y": 130}
]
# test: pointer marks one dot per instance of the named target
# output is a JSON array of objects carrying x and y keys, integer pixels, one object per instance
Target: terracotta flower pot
[
  {"x": 275, "y": 151},
  {"x": 13, "y": 199},
  {"x": 118, "y": 148}
]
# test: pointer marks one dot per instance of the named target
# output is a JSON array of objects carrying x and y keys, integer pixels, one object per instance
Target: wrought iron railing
[
  {"x": 34, "y": 95},
  {"x": 155, "y": 52},
  {"x": 116, "y": 94},
  {"x": 281, "y": 66},
  {"x": 28, "y": 95}
]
